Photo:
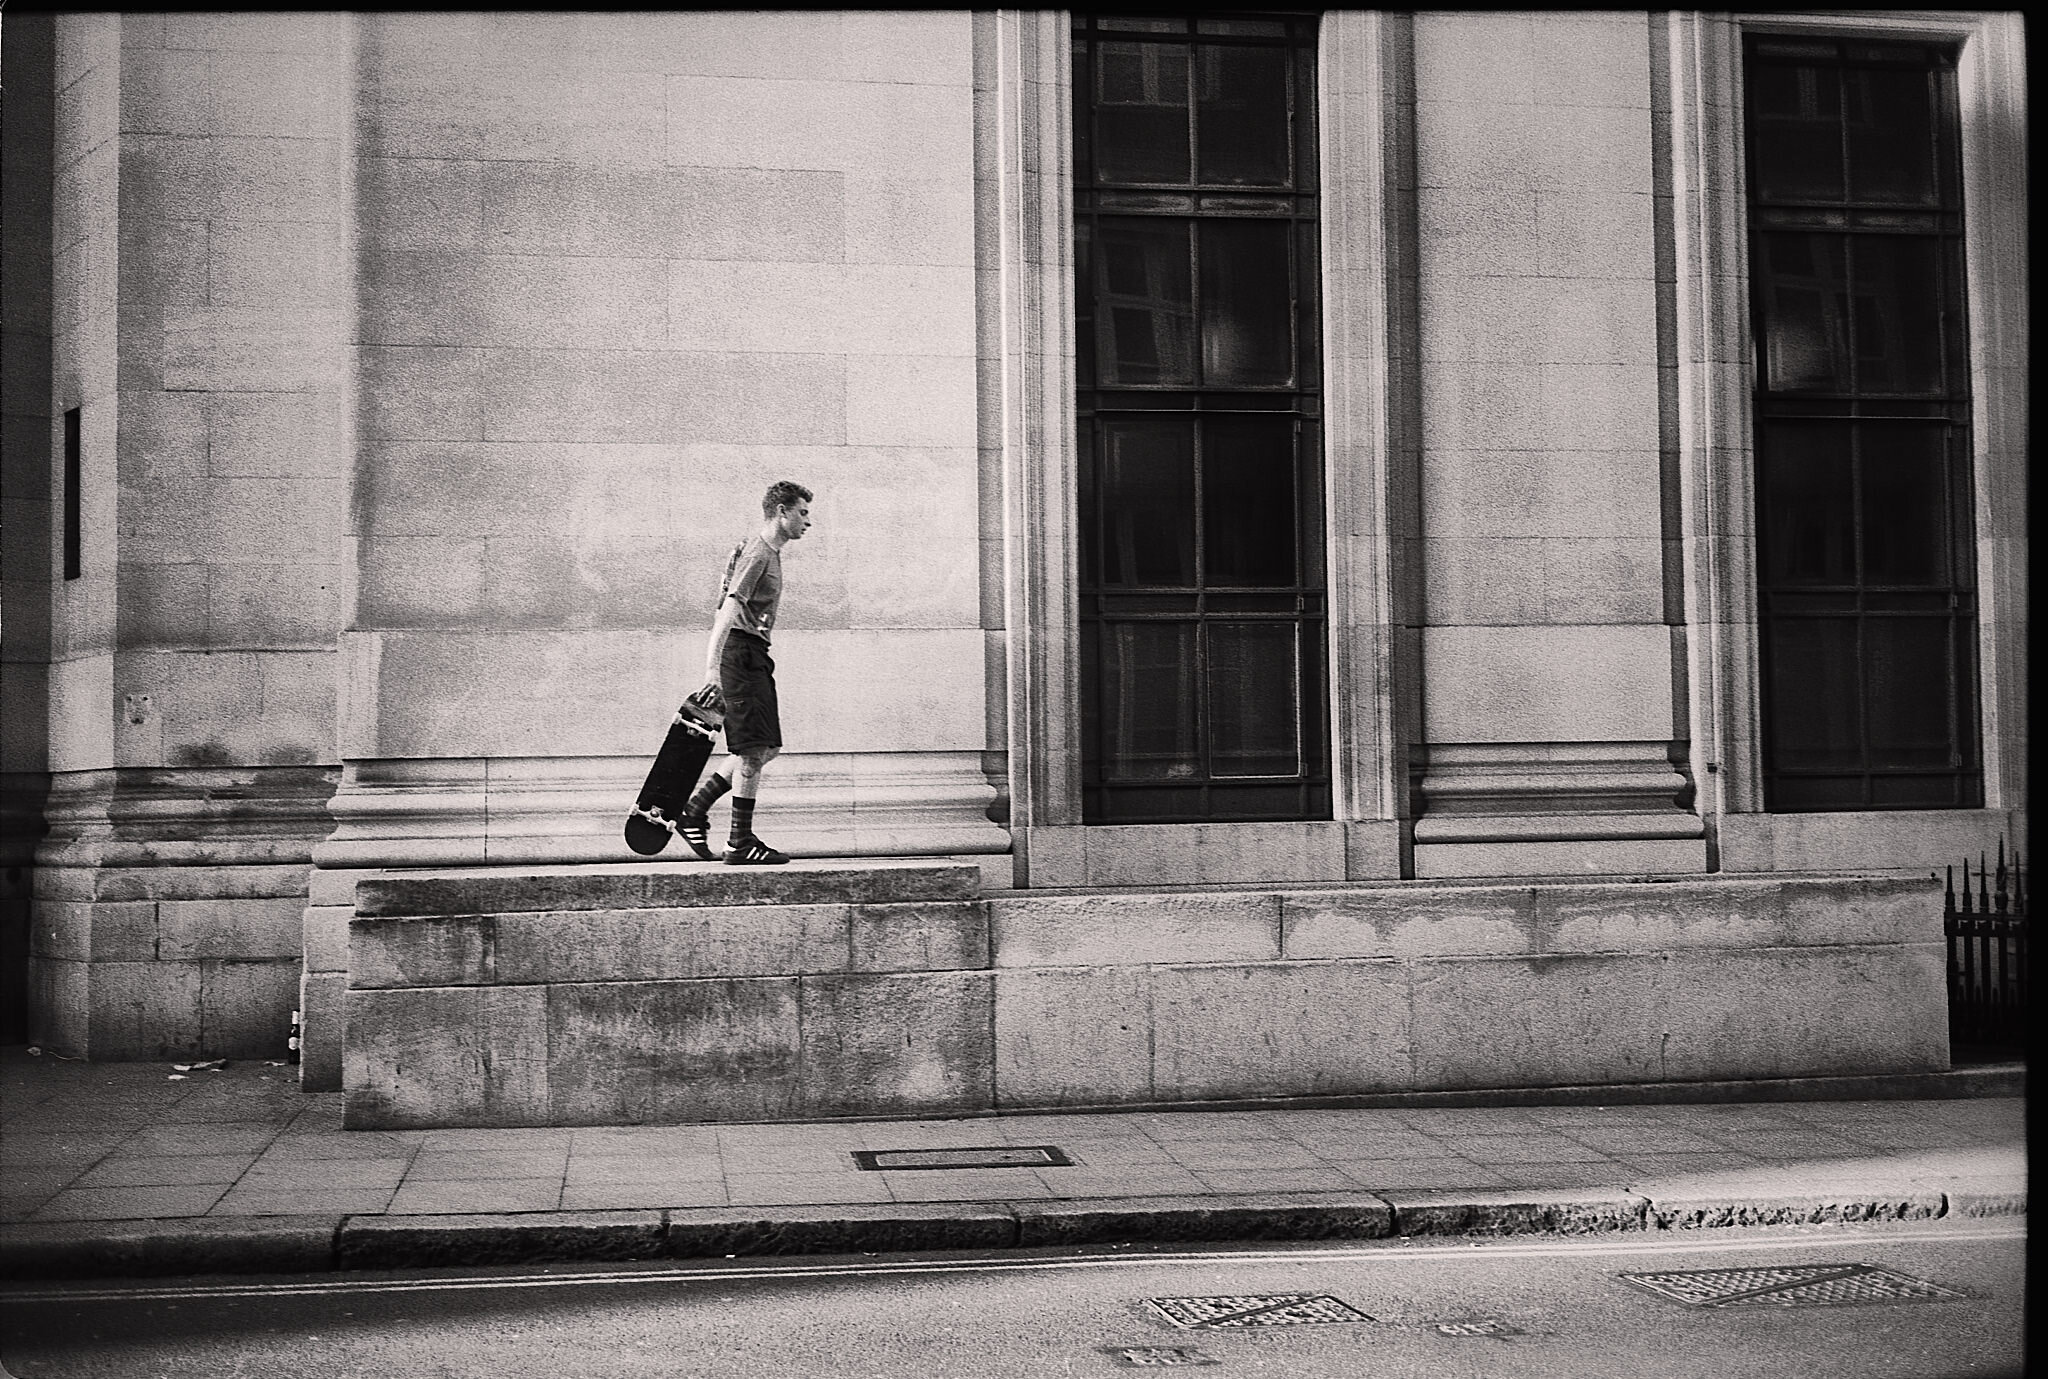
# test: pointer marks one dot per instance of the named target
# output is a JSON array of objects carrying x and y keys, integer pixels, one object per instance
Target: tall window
[
  {"x": 1202, "y": 599},
  {"x": 1866, "y": 552}
]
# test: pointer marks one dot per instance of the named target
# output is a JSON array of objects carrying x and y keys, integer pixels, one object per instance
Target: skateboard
[{"x": 683, "y": 755}]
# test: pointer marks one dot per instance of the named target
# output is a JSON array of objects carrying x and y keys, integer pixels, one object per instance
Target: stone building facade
[{"x": 383, "y": 392}]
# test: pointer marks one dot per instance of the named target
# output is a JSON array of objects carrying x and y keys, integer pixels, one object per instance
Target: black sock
[
  {"x": 707, "y": 794},
  {"x": 742, "y": 817}
]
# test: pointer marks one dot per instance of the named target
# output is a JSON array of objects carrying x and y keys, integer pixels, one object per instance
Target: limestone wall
[{"x": 617, "y": 274}]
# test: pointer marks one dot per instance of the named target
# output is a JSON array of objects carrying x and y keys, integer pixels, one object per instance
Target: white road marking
[{"x": 1383, "y": 1253}]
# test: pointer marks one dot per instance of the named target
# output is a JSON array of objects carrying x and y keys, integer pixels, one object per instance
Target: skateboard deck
[{"x": 683, "y": 755}]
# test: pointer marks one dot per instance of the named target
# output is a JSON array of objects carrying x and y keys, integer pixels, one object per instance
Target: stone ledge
[
  {"x": 138, "y": 1249},
  {"x": 1875, "y": 1202},
  {"x": 392, "y": 1242},
  {"x": 674, "y": 885}
]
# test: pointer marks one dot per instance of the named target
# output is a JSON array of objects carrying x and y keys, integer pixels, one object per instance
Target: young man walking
[{"x": 737, "y": 662}]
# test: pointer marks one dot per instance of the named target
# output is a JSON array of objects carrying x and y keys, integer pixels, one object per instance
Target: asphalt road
[{"x": 1554, "y": 1307}]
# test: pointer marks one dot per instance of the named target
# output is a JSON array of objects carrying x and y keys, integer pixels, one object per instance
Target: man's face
[{"x": 794, "y": 519}]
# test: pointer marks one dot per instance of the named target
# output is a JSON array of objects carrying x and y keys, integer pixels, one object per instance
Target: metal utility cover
[
  {"x": 1791, "y": 1285},
  {"x": 988, "y": 1156},
  {"x": 1157, "y": 1356},
  {"x": 1256, "y": 1309}
]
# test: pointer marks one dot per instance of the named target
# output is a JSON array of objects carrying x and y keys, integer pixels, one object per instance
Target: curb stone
[
  {"x": 302, "y": 1244},
  {"x": 697, "y": 1232},
  {"x": 1510, "y": 1211},
  {"x": 141, "y": 1249},
  {"x": 1261, "y": 1216},
  {"x": 392, "y": 1242}
]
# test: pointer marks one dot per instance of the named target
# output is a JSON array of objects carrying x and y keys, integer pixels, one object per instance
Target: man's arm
[{"x": 721, "y": 626}]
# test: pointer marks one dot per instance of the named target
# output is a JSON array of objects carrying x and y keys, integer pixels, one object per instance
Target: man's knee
[{"x": 758, "y": 757}]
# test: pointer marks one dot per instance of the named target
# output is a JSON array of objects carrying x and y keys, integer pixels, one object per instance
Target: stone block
[
  {"x": 1590, "y": 858},
  {"x": 500, "y": 891},
  {"x": 272, "y": 605},
  {"x": 260, "y": 264},
  {"x": 292, "y": 95},
  {"x": 599, "y": 945},
  {"x": 1602, "y": 580},
  {"x": 898, "y": 1043},
  {"x": 59, "y": 1005},
  {"x": 162, "y": 605},
  {"x": 1492, "y": 581},
  {"x": 933, "y": 936},
  {"x": 472, "y": 1239},
  {"x": 724, "y": 1232},
  {"x": 421, "y": 203},
  {"x": 1606, "y": 235},
  {"x": 192, "y": 1245},
  {"x": 421, "y": 393},
  {"x": 324, "y": 934},
  {"x": 1407, "y": 922},
  {"x": 255, "y": 31},
  {"x": 681, "y": 213},
  {"x": 1060, "y": 931},
  {"x": 907, "y": 688},
  {"x": 1239, "y": 1216},
  {"x": 894, "y": 220},
  {"x": 1279, "y": 1029},
  {"x": 596, "y": 395},
  {"x": 169, "y": 91},
  {"x": 1073, "y": 1036},
  {"x": 1483, "y": 407},
  {"x": 165, "y": 433},
  {"x": 911, "y": 400},
  {"x": 86, "y": 931},
  {"x": 1483, "y": 59},
  {"x": 1476, "y": 231},
  {"x": 1547, "y": 684},
  {"x": 1480, "y": 1211},
  {"x": 169, "y": 177},
  {"x": 1599, "y": 406},
  {"x": 446, "y": 1057},
  {"x": 1590, "y": 59},
  {"x": 230, "y": 928},
  {"x": 438, "y": 297},
  {"x": 245, "y": 1007},
  {"x": 633, "y": 1053},
  {"x": 274, "y": 179}
]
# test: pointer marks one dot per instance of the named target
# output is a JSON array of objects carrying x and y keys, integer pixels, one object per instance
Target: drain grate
[
  {"x": 1157, "y": 1356},
  {"x": 987, "y": 1156},
  {"x": 1256, "y": 1309},
  {"x": 1791, "y": 1285}
]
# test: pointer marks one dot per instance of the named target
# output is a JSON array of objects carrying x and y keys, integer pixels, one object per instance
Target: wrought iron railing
[{"x": 1986, "y": 924}]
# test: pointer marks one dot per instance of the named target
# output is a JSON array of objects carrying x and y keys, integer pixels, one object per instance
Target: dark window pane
[
  {"x": 1907, "y": 673},
  {"x": 1944, "y": 791},
  {"x": 1254, "y": 699},
  {"x": 1248, "y": 501},
  {"x": 1814, "y": 700},
  {"x": 1797, "y": 141},
  {"x": 1145, "y": 322},
  {"x": 1141, "y": 112},
  {"x": 1084, "y": 301},
  {"x": 1891, "y": 135},
  {"x": 1806, "y": 312},
  {"x": 1818, "y": 792},
  {"x": 1247, "y": 304},
  {"x": 1148, "y": 701},
  {"x": 1898, "y": 314},
  {"x": 1148, "y": 502},
  {"x": 1808, "y": 504},
  {"x": 1241, "y": 115},
  {"x": 1905, "y": 504}
]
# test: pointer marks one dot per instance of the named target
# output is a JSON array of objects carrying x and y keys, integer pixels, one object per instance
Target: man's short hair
[{"x": 783, "y": 494}]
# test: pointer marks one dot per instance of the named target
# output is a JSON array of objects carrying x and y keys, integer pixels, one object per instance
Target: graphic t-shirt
[{"x": 754, "y": 577}]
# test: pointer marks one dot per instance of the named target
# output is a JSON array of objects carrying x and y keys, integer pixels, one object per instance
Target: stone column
[
  {"x": 1552, "y": 697},
  {"x": 202, "y": 216}
]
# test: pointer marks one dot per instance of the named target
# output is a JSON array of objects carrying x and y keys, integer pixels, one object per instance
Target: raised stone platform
[{"x": 668, "y": 993}]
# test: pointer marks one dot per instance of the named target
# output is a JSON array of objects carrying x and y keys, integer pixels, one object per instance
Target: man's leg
[{"x": 746, "y": 786}]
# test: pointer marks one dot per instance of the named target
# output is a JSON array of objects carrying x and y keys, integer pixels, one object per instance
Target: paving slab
[{"x": 243, "y": 1173}]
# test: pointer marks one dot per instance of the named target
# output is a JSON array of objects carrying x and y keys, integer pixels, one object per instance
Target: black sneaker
[
  {"x": 752, "y": 852},
  {"x": 695, "y": 829}
]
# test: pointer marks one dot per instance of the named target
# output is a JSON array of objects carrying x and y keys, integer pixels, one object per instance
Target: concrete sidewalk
[{"x": 113, "y": 1169}]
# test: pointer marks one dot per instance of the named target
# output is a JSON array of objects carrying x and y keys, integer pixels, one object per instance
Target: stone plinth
[{"x": 680, "y": 992}]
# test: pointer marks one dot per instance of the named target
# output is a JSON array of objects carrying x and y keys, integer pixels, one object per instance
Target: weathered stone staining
[{"x": 664, "y": 1001}]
